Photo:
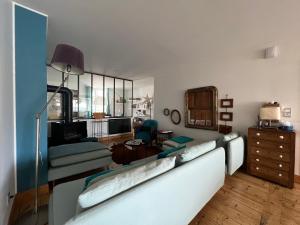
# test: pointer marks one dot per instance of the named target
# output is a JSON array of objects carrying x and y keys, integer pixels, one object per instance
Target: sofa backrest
[{"x": 172, "y": 198}]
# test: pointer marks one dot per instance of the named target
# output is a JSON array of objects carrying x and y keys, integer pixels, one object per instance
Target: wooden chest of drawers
[{"x": 271, "y": 155}]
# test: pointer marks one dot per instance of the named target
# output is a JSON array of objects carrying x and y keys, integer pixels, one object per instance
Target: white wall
[
  {"x": 231, "y": 59},
  {"x": 6, "y": 109}
]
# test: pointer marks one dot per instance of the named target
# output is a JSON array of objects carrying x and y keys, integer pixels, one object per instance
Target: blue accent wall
[{"x": 31, "y": 93}]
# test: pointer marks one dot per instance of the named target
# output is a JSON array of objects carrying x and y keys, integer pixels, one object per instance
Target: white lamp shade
[{"x": 269, "y": 113}]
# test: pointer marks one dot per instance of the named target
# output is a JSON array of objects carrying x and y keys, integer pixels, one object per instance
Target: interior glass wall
[
  {"x": 85, "y": 96},
  {"x": 97, "y": 102},
  {"x": 128, "y": 98},
  {"x": 72, "y": 84},
  {"x": 109, "y": 96},
  {"x": 91, "y": 93},
  {"x": 119, "y": 97}
]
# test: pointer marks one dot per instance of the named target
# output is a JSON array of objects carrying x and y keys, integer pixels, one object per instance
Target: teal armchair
[{"x": 147, "y": 132}]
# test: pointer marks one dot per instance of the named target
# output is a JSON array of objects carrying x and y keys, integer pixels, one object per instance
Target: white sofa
[{"x": 174, "y": 197}]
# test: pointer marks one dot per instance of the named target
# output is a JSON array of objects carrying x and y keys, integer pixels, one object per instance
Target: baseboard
[
  {"x": 9, "y": 210},
  {"x": 297, "y": 179}
]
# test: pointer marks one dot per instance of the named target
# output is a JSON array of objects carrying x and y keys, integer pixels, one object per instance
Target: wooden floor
[
  {"x": 243, "y": 200},
  {"x": 246, "y": 200}
]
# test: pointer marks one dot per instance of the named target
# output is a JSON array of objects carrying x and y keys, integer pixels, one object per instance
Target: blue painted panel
[{"x": 31, "y": 93}]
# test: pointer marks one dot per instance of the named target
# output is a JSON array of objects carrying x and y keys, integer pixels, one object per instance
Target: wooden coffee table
[{"x": 122, "y": 155}]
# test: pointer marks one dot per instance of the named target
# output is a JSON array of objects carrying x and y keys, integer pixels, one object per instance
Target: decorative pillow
[
  {"x": 196, "y": 151},
  {"x": 182, "y": 139},
  {"x": 113, "y": 185}
]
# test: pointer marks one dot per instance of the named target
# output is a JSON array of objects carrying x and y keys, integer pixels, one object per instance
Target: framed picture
[
  {"x": 166, "y": 111},
  {"x": 226, "y": 116},
  {"x": 227, "y": 103}
]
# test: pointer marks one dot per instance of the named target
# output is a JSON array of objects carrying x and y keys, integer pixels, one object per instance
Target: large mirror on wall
[{"x": 201, "y": 106}]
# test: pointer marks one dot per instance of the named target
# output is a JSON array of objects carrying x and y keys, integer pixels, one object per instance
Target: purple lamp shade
[{"x": 68, "y": 59}]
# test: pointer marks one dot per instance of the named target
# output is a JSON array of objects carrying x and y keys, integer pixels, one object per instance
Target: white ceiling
[{"x": 140, "y": 37}]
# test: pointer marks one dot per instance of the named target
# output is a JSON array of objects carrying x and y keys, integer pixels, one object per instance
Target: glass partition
[
  {"x": 128, "y": 98},
  {"x": 109, "y": 96},
  {"x": 72, "y": 84},
  {"x": 85, "y": 94},
  {"x": 92, "y": 93},
  {"x": 98, "y": 100},
  {"x": 119, "y": 97}
]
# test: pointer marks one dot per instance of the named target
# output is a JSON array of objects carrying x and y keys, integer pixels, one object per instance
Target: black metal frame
[{"x": 92, "y": 74}]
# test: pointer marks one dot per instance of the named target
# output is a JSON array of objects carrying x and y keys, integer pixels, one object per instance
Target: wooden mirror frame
[{"x": 203, "y": 104}]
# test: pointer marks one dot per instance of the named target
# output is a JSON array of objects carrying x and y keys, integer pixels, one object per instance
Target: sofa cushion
[
  {"x": 195, "y": 151},
  {"x": 113, "y": 185},
  {"x": 222, "y": 141},
  {"x": 171, "y": 151},
  {"x": 76, "y": 148},
  {"x": 76, "y": 158}
]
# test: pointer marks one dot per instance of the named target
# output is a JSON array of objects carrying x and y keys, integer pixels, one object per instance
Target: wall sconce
[{"x": 272, "y": 52}]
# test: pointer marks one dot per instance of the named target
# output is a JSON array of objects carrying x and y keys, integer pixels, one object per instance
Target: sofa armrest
[{"x": 235, "y": 155}]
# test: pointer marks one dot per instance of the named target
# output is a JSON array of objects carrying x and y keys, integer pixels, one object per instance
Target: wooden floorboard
[{"x": 247, "y": 200}]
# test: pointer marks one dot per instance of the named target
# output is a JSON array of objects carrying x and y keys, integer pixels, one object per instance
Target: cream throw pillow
[{"x": 113, "y": 185}]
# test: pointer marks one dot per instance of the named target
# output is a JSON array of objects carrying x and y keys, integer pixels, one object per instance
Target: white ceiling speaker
[{"x": 272, "y": 52}]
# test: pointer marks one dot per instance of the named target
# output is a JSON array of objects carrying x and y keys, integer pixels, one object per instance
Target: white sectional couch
[{"x": 172, "y": 198}]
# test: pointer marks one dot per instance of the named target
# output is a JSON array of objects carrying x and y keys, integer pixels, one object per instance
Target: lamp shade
[
  {"x": 68, "y": 59},
  {"x": 269, "y": 113}
]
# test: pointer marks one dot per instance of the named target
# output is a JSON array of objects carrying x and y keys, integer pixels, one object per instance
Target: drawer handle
[
  {"x": 257, "y": 151},
  {"x": 280, "y": 165},
  {"x": 257, "y": 160},
  {"x": 257, "y": 134},
  {"x": 281, "y": 146},
  {"x": 281, "y": 137},
  {"x": 280, "y": 174},
  {"x": 257, "y": 168},
  {"x": 281, "y": 156},
  {"x": 257, "y": 143}
]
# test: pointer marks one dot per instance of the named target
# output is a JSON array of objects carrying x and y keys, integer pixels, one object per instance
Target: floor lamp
[{"x": 69, "y": 60}]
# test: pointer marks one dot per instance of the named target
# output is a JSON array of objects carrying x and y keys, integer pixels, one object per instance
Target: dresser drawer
[
  {"x": 256, "y": 142},
  {"x": 277, "y": 176},
  {"x": 269, "y": 135},
  {"x": 278, "y": 165},
  {"x": 270, "y": 154}
]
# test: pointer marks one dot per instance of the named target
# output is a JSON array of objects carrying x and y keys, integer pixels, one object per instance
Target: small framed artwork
[
  {"x": 227, "y": 103},
  {"x": 226, "y": 116}
]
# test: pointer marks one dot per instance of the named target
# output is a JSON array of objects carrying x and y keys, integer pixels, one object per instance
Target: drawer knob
[
  {"x": 257, "y": 160},
  {"x": 257, "y": 151},
  {"x": 257, "y": 168},
  {"x": 280, "y": 165},
  {"x": 281, "y": 156},
  {"x": 280, "y": 174},
  {"x": 281, "y": 146},
  {"x": 281, "y": 137},
  {"x": 257, "y": 134},
  {"x": 257, "y": 143}
]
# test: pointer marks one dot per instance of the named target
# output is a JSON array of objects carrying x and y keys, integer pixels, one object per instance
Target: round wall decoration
[
  {"x": 175, "y": 116},
  {"x": 166, "y": 112}
]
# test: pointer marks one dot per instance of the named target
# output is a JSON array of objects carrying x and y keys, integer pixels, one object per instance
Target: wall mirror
[
  {"x": 201, "y": 106},
  {"x": 175, "y": 117}
]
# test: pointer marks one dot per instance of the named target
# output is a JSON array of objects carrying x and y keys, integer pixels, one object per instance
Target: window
[
  {"x": 85, "y": 94},
  {"x": 109, "y": 96}
]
